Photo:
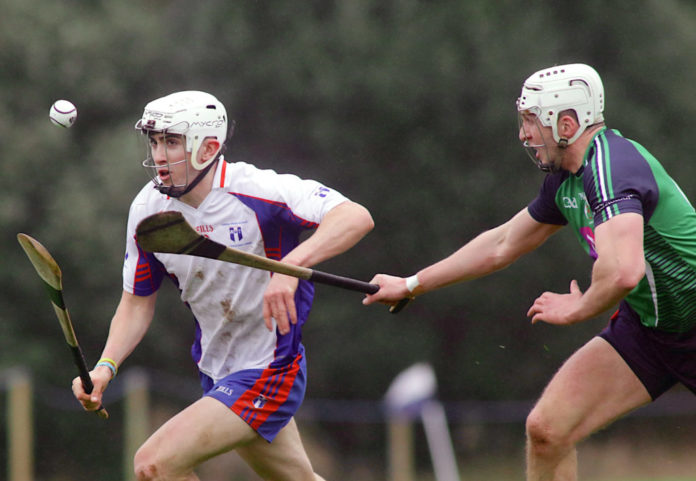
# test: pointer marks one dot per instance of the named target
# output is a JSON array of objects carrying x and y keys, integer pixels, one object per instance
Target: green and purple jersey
[{"x": 619, "y": 176}]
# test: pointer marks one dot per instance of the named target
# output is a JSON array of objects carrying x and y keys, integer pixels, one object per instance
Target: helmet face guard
[
  {"x": 172, "y": 187},
  {"x": 193, "y": 115},
  {"x": 537, "y": 152},
  {"x": 551, "y": 91}
]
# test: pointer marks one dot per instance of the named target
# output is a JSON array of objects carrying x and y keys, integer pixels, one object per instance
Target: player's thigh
[
  {"x": 202, "y": 430},
  {"x": 283, "y": 459},
  {"x": 594, "y": 387}
]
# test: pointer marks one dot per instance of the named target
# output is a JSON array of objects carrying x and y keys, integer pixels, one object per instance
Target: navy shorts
[
  {"x": 266, "y": 399},
  {"x": 659, "y": 359}
]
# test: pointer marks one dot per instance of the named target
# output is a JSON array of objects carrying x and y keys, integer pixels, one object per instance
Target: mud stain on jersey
[{"x": 227, "y": 311}]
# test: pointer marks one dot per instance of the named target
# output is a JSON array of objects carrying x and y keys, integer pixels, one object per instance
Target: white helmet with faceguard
[
  {"x": 553, "y": 90},
  {"x": 195, "y": 116}
]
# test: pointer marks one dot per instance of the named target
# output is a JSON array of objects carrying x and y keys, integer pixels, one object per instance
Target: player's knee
[
  {"x": 150, "y": 466},
  {"x": 145, "y": 472},
  {"x": 146, "y": 468},
  {"x": 543, "y": 435}
]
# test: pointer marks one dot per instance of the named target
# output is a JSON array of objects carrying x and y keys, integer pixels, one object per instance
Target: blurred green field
[{"x": 644, "y": 479}]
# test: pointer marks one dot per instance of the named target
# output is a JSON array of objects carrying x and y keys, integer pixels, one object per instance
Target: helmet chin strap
[
  {"x": 172, "y": 191},
  {"x": 552, "y": 167}
]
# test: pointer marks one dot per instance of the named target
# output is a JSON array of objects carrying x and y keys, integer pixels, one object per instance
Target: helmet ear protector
[
  {"x": 199, "y": 135},
  {"x": 551, "y": 91}
]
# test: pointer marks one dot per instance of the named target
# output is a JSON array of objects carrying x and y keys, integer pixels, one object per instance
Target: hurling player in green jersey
[{"x": 634, "y": 221}]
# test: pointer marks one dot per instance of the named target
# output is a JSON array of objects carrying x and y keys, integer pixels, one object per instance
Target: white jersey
[{"x": 258, "y": 211}]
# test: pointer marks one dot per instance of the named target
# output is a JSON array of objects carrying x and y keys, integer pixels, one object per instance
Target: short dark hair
[{"x": 570, "y": 112}]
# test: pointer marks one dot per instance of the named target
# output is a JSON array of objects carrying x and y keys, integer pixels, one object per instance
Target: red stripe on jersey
[
  {"x": 273, "y": 252},
  {"x": 142, "y": 270},
  {"x": 276, "y": 253},
  {"x": 222, "y": 174}
]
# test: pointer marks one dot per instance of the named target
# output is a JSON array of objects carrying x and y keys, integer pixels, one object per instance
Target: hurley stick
[
  {"x": 168, "y": 232},
  {"x": 52, "y": 278}
]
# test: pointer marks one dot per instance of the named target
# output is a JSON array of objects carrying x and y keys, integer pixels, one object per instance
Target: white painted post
[
  {"x": 439, "y": 441},
  {"x": 137, "y": 417},
  {"x": 400, "y": 446},
  {"x": 408, "y": 389},
  {"x": 20, "y": 432}
]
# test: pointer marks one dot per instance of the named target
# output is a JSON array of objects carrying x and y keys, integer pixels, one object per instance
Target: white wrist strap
[{"x": 412, "y": 282}]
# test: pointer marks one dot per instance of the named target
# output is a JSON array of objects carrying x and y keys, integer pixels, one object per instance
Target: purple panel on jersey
[
  {"x": 631, "y": 186},
  {"x": 196, "y": 349},
  {"x": 148, "y": 273},
  {"x": 280, "y": 230},
  {"x": 543, "y": 208},
  {"x": 279, "y": 226}
]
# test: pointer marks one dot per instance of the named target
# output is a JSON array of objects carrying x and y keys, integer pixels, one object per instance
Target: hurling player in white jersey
[{"x": 248, "y": 322}]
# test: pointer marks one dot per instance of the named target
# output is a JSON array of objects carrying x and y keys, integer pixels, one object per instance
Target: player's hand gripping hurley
[
  {"x": 168, "y": 232},
  {"x": 52, "y": 277}
]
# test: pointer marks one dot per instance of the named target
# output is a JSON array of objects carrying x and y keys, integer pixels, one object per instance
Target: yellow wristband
[{"x": 110, "y": 363}]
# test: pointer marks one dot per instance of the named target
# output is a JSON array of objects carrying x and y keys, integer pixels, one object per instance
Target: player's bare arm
[
  {"x": 128, "y": 326},
  {"x": 340, "y": 229},
  {"x": 490, "y": 251},
  {"x": 619, "y": 267}
]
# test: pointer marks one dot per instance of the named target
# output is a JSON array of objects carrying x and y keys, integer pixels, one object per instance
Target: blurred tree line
[{"x": 406, "y": 106}]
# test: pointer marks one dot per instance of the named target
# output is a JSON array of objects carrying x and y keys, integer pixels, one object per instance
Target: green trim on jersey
[
  {"x": 605, "y": 172},
  {"x": 666, "y": 297},
  {"x": 622, "y": 176},
  {"x": 572, "y": 202}
]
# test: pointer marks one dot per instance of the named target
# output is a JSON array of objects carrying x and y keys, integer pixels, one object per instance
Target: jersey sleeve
[
  {"x": 142, "y": 272},
  {"x": 284, "y": 204},
  {"x": 618, "y": 179},
  {"x": 309, "y": 200},
  {"x": 543, "y": 208},
  {"x": 303, "y": 202}
]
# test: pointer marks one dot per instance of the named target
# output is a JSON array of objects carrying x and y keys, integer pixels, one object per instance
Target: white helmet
[
  {"x": 195, "y": 115},
  {"x": 550, "y": 91}
]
